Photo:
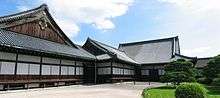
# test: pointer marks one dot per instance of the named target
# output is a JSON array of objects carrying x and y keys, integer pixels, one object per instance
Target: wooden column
[
  {"x": 111, "y": 71},
  {"x": 41, "y": 65},
  {"x": 95, "y": 80},
  {"x": 16, "y": 64}
]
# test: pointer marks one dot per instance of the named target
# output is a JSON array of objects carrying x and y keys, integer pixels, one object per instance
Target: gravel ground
[{"x": 118, "y": 90}]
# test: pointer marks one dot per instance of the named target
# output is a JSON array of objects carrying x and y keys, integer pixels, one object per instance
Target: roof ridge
[
  {"x": 146, "y": 41},
  {"x": 40, "y": 8},
  {"x": 106, "y": 45}
]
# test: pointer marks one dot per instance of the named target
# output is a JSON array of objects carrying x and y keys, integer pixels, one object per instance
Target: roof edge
[
  {"x": 147, "y": 41},
  {"x": 185, "y": 56},
  {"x": 41, "y": 7}
]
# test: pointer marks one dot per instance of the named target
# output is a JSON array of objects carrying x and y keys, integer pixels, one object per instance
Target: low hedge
[{"x": 190, "y": 90}]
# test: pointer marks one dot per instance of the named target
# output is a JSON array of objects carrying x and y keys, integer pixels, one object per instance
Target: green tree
[
  {"x": 179, "y": 71},
  {"x": 212, "y": 70}
]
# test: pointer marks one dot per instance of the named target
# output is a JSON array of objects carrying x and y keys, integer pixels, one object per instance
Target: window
[
  {"x": 34, "y": 69},
  {"x": 145, "y": 72},
  {"x": 22, "y": 69},
  {"x": 45, "y": 69},
  {"x": 7, "y": 68},
  {"x": 55, "y": 70}
]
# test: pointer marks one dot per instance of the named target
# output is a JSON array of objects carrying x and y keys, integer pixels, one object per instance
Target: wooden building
[
  {"x": 112, "y": 64},
  {"x": 35, "y": 52},
  {"x": 153, "y": 55}
]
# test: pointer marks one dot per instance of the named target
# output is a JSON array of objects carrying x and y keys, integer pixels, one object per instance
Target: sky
[{"x": 196, "y": 22}]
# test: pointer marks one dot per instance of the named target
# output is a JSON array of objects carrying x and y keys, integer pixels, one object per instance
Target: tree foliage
[
  {"x": 212, "y": 70},
  {"x": 179, "y": 71},
  {"x": 190, "y": 90}
]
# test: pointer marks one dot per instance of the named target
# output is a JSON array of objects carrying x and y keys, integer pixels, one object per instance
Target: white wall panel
[
  {"x": 50, "y": 60},
  {"x": 161, "y": 72},
  {"x": 103, "y": 64},
  {"x": 77, "y": 70},
  {"x": 22, "y": 69},
  {"x": 45, "y": 69},
  {"x": 71, "y": 71},
  {"x": 64, "y": 70},
  {"x": 121, "y": 71},
  {"x": 34, "y": 69},
  {"x": 28, "y": 58},
  {"x": 7, "y": 56},
  {"x": 115, "y": 71},
  {"x": 126, "y": 71},
  {"x": 117, "y": 64},
  {"x": 81, "y": 71},
  {"x": 79, "y": 63},
  {"x": 7, "y": 68},
  {"x": 55, "y": 70},
  {"x": 67, "y": 62}
]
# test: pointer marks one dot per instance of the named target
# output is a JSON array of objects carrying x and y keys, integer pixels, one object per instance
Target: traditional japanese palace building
[
  {"x": 112, "y": 64},
  {"x": 35, "y": 52},
  {"x": 153, "y": 55}
]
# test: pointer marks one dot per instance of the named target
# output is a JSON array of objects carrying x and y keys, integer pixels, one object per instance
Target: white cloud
[
  {"x": 196, "y": 22},
  {"x": 196, "y": 50},
  {"x": 71, "y": 13}
]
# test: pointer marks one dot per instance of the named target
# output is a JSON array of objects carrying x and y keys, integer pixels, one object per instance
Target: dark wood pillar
[
  {"x": 95, "y": 80},
  {"x": 111, "y": 71},
  {"x": 16, "y": 64}
]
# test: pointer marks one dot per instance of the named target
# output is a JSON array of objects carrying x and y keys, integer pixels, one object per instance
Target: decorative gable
[{"x": 37, "y": 23}]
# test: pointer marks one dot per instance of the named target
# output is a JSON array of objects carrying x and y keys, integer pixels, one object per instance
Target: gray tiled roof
[
  {"x": 12, "y": 39},
  {"x": 202, "y": 62},
  {"x": 112, "y": 51},
  {"x": 153, "y": 51}
]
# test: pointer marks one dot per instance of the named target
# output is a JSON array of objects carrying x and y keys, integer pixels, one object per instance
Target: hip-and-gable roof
[
  {"x": 109, "y": 52},
  {"x": 152, "y": 51},
  {"x": 36, "y": 22}
]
